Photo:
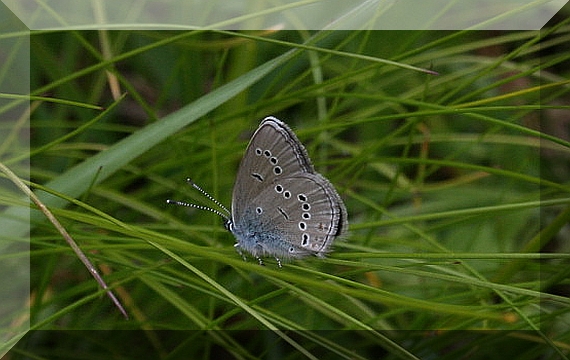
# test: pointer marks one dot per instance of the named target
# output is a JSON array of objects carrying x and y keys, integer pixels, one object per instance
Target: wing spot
[
  {"x": 285, "y": 215},
  {"x": 305, "y": 240}
]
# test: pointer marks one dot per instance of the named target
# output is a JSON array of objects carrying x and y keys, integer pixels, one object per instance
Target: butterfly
[{"x": 281, "y": 207}]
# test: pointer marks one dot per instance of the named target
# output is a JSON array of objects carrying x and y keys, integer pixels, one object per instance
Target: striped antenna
[{"x": 225, "y": 216}]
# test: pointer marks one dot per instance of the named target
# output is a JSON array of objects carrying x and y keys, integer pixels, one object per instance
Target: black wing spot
[
  {"x": 285, "y": 215},
  {"x": 257, "y": 177}
]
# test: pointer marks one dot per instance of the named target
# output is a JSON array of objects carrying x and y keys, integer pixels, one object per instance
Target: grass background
[{"x": 456, "y": 187}]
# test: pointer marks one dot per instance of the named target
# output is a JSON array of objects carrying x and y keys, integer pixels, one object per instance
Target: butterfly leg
[
  {"x": 259, "y": 260},
  {"x": 238, "y": 249}
]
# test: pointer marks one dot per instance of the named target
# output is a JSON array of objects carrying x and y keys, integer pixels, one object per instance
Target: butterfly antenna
[
  {"x": 210, "y": 197},
  {"x": 200, "y": 207}
]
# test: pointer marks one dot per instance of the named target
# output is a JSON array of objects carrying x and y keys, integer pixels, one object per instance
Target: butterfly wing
[
  {"x": 306, "y": 211},
  {"x": 273, "y": 151},
  {"x": 280, "y": 205}
]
